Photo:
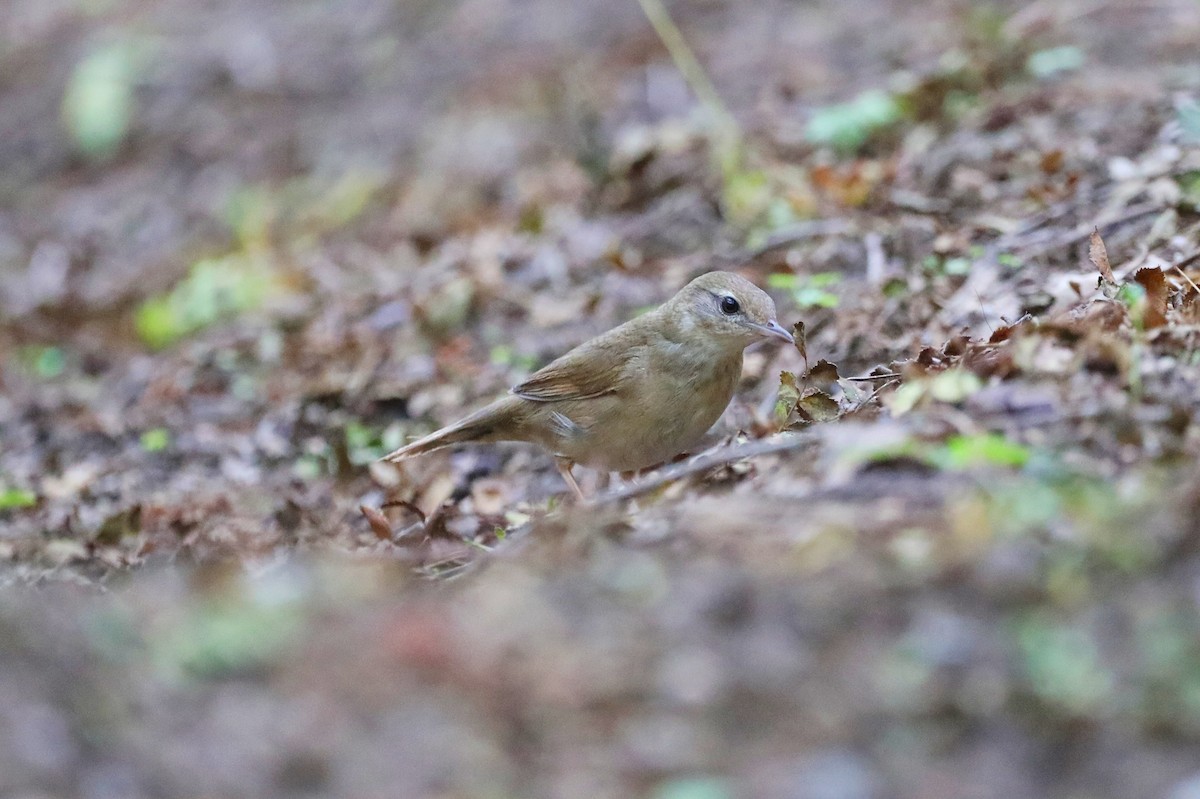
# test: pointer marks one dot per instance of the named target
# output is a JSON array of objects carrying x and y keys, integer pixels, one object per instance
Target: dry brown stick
[
  {"x": 1187, "y": 260},
  {"x": 1030, "y": 224},
  {"x": 798, "y": 232},
  {"x": 715, "y": 457},
  {"x": 865, "y": 378},
  {"x": 1184, "y": 275},
  {"x": 1083, "y": 231},
  {"x": 1084, "y": 195},
  {"x": 704, "y": 462}
]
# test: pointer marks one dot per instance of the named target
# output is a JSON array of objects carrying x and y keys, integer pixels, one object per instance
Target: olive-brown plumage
[{"x": 637, "y": 395}]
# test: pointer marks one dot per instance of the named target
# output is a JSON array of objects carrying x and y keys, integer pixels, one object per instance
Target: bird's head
[{"x": 728, "y": 308}]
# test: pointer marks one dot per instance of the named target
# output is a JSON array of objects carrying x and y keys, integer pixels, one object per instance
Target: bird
[{"x": 635, "y": 396}]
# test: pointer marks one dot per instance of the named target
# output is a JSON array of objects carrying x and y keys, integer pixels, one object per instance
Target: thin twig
[
  {"x": 689, "y": 66},
  {"x": 876, "y": 257},
  {"x": 884, "y": 376},
  {"x": 876, "y": 393},
  {"x": 1187, "y": 261},
  {"x": 800, "y": 231},
  {"x": 918, "y": 203},
  {"x": 1044, "y": 217},
  {"x": 1083, "y": 231},
  {"x": 704, "y": 462}
]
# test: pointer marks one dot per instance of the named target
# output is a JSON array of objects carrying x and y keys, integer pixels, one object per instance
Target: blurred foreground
[{"x": 247, "y": 247}]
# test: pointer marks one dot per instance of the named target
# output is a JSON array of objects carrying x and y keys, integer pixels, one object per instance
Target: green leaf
[
  {"x": 1131, "y": 294},
  {"x": 990, "y": 449},
  {"x": 250, "y": 212},
  {"x": 156, "y": 439},
  {"x": 895, "y": 287},
  {"x": 1054, "y": 61},
  {"x": 824, "y": 279},
  {"x": 214, "y": 289},
  {"x": 343, "y": 202},
  {"x": 747, "y": 194},
  {"x": 954, "y": 385},
  {"x": 504, "y": 355},
  {"x": 156, "y": 323},
  {"x": 224, "y": 638},
  {"x": 809, "y": 297},
  {"x": 847, "y": 127},
  {"x": 365, "y": 444},
  {"x": 907, "y": 396},
  {"x": 98, "y": 105},
  {"x": 694, "y": 788},
  {"x": 808, "y": 291},
  {"x": 1188, "y": 114},
  {"x": 1063, "y": 665},
  {"x": 957, "y": 266},
  {"x": 1189, "y": 185},
  {"x": 46, "y": 362},
  {"x": 16, "y": 498},
  {"x": 309, "y": 467}
]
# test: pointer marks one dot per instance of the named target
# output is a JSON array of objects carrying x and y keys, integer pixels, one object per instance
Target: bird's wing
[{"x": 593, "y": 369}]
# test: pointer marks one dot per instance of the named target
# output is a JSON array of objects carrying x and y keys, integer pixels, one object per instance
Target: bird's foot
[{"x": 564, "y": 468}]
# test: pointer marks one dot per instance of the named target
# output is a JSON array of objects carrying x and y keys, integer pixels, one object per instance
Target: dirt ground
[{"x": 248, "y": 246}]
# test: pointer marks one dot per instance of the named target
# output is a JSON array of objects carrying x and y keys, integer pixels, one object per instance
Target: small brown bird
[{"x": 637, "y": 395}]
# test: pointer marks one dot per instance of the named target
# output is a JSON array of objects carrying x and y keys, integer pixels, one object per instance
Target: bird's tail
[{"x": 494, "y": 422}]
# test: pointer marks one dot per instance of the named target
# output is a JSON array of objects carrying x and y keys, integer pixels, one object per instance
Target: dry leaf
[
  {"x": 1151, "y": 278},
  {"x": 1189, "y": 307},
  {"x": 800, "y": 336},
  {"x": 956, "y": 346},
  {"x": 117, "y": 526},
  {"x": 990, "y": 361},
  {"x": 1005, "y": 332},
  {"x": 379, "y": 523},
  {"x": 1098, "y": 255},
  {"x": 789, "y": 392},
  {"x": 71, "y": 482},
  {"x": 490, "y": 496},
  {"x": 817, "y": 406},
  {"x": 1052, "y": 161},
  {"x": 823, "y": 372},
  {"x": 1099, "y": 315}
]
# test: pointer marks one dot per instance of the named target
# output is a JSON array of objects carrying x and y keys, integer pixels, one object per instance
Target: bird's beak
[{"x": 773, "y": 329}]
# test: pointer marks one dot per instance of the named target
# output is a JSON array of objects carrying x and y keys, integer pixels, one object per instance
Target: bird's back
[{"x": 639, "y": 397}]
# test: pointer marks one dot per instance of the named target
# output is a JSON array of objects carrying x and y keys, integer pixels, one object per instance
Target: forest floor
[{"x": 950, "y": 550}]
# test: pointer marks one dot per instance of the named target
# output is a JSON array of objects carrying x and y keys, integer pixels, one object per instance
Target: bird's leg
[{"x": 564, "y": 468}]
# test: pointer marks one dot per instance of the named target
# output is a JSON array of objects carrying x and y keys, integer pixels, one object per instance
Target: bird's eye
[{"x": 729, "y": 306}]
